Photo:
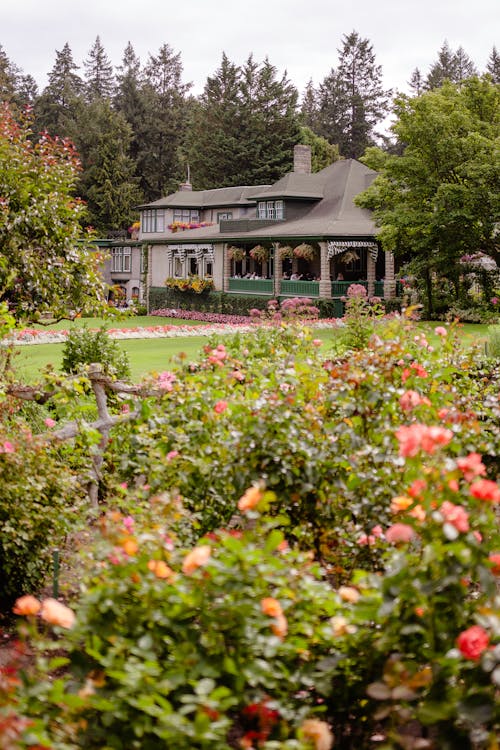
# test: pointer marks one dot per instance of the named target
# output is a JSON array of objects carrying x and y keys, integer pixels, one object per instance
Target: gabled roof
[
  {"x": 218, "y": 197},
  {"x": 334, "y": 214}
]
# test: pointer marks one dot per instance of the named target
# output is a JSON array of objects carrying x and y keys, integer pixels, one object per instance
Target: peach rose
[
  {"x": 271, "y": 607},
  {"x": 130, "y": 547},
  {"x": 400, "y": 503},
  {"x": 349, "y": 594},
  {"x": 319, "y": 732},
  {"x": 26, "y": 605},
  {"x": 250, "y": 499},
  {"x": 56, "y": 613},
  {"x": 195, "y": 559},
  {"x": 279, "y": 626}
]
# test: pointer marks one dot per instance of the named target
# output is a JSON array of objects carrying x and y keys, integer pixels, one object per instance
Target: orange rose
[
  {"x": 57, "y": 614},
  {"x": 130, "y": 546},
  {"x": 160, "y": 569},
  {"x": 271, "y": 607},
  {"x": 319, "y": 732},
  {"x": 26, "y": 605},
  {"x": 250, "y": 499},
  {"x": 400, "y": 503},
  {"x": 279, "y": 626},
  {"x": 196, "y": 558}
]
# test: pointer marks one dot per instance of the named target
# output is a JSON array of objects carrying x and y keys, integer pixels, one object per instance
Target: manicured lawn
[
  {"x": 127, "y": 321},
  {"x": 155, "y": 355}
]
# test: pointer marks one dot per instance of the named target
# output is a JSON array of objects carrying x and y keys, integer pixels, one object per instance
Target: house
[{"x": 301, "y": 236}]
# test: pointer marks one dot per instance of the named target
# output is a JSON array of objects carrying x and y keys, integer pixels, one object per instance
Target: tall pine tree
[
  {"x": 58, "y": 107},
  {"x": 493, "y": 65},
  {"x": 164, "y": 121},
  {"x": 213, "y": 137},
  {"x": 352, "y": 99},
  {"x": 99, "y": 78}
]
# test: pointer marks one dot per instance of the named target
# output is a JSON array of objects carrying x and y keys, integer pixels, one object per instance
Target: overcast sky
[{"x": 299, "y": 36}]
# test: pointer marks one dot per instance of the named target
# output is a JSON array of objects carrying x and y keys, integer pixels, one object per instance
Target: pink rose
[
  {"x": 440, "y": 331},
  {"x": 220, "y": 407},
  {"x": 399, "y": 532},
  {"x": 49, "y": 422}
]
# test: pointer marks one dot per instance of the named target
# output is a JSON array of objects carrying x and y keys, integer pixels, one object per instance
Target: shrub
[
  {"x": 191, "y": 648},
  {"x": 84, "y": 347},
  {"x": 39, "y": 501}
]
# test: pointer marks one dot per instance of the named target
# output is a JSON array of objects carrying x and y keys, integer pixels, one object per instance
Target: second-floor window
[
  {"x": 270, "y": 210},
  {"x": 153, "y": 220},
  {"x": 186, "y": 215},
  {"x": 224, "y": 216},
  {"x": 121, "y": 259}
]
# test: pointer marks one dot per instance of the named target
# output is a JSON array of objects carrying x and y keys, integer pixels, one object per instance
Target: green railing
[
  {"x": 254, "y": 286},
  {"x": 299, "y": 288}
]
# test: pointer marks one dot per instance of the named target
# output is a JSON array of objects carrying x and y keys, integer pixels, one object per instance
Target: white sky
[{"x": 299, "y": 36}]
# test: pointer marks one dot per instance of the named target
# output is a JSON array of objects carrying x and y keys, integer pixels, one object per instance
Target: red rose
[{"x": 472, "y": 642}]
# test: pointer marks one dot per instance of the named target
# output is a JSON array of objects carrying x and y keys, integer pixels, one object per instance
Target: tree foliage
[
  {"x": 440, "y": 199},
  {"x": 46, "y": 264},
  {"x": 351, "y": 99}
]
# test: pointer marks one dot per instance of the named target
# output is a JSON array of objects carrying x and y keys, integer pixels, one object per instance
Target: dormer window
[
  {"x": 186, "y": 215},
  {"x": 153, "y": 220},
  {"x": 270, "y": 210}
]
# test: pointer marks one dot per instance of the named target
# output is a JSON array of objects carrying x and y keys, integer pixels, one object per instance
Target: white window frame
[
  {"x": 270, "y": 209},
  {"x": 121, "y": 259},
  {"x": 153, "y": 220},
  {"x": 187, "y": 215}
]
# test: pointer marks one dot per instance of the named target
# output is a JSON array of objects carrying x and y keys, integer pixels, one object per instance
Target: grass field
[{"x": 155, "y": 355}]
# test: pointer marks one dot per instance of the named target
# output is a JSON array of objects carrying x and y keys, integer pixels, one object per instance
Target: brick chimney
[{"x": 302, "y": 159}]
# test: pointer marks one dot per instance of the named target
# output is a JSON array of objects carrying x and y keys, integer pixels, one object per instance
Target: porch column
[
  {"x": 148, "y": 276},
  {"x": 370, "y": 273},
  {"x": 278, "y": 269},
  {"x": 389, "y": 281},
  {"x": 325, "y": 282},
  {"x": 226, "y": 268}
]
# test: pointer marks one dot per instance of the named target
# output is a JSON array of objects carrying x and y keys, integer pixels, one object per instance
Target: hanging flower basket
[
  {"x": 259, "y": 253},
  {"x": 236, "y": 253},
  {"x": 349, "y": 257},
  {"x": 306, "y": 252},
  {"x": 286, "y": 252}
]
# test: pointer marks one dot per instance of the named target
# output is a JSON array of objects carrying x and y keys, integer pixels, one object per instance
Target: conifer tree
[
  {"x": 416, "y": 82},
  {"x": 164, "y": 121},
  {"x": 493, "y": 65},
  {"x": 212, "y": 141},
  {"x": 351, "y": 98},
  {"x": 99, "y": 78},
  {"x": 57, "y": 108}
]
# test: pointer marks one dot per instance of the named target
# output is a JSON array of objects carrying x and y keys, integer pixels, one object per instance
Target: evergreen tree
[
  {"x": 451, "y": 66},
  {"x": 7, "y": 78},
  {"x": 164, "y": 121},
  {"x": 416, "y": 82},
  {"x": 57, "y": 108},
  {"x": 493, "y": 65},
  {"x": 464, "y": 67},
  {"x": 129, "y": 99},
  {"x": 351, "y": 98},
  {"x": 269, "y": 124},
  {"x": 108, "y": 182},
  {"x": 309, "y": 107},
  {"x": 212, "y": 141},
  {"x": 99, "y": 78}
]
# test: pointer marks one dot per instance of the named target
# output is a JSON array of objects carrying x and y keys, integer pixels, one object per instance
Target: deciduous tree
[
  {"x": 440, "y": 198},
  {"x": 46, "y": 262}
]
